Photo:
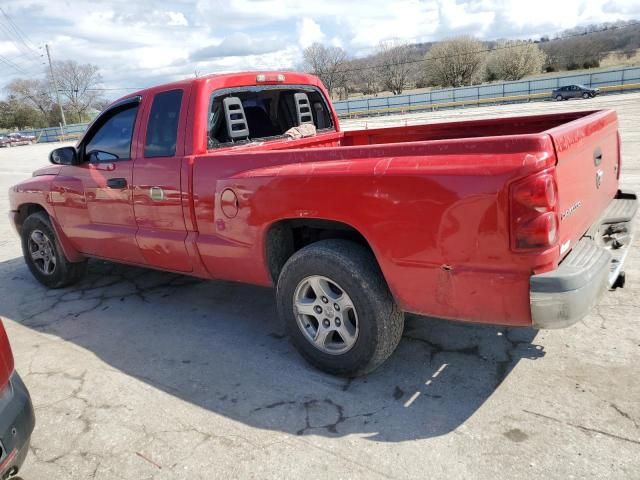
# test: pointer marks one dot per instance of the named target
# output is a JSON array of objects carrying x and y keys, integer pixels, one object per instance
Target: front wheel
[
  {"x": 585, "y": 95},
  {"x": 43, "y": 254},
  {"x": 337, "y": 308}
]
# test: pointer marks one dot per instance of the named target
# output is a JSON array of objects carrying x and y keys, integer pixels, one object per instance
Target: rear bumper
[
  {"x": 17, "y": 421},
  {"x": 564, "y": 296}
]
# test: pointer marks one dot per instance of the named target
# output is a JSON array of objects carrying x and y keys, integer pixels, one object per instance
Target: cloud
[
  {"x": 237, "y": 45},
  {"x": 144, "y": 42},
  {"x": 309, "y": 32}
]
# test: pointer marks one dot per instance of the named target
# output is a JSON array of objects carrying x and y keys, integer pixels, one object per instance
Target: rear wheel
[
  {"x": 559, "y": 98},
  {"x": 43, "y": 254},
  {"x": 337, "y": 308}
]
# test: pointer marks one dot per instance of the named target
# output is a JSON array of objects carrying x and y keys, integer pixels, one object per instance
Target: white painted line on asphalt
[
  {"x": 442, "y": 367},
  {"x": 411, "y": 400}
]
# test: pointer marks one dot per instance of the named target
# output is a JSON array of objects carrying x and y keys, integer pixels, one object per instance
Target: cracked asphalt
[{"x": 147, "y": 375}]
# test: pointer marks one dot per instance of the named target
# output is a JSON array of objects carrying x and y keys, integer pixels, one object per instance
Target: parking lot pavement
[{"x": 142, "y": 374}]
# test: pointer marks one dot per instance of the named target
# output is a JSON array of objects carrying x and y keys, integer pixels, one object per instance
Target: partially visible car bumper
[
  {"x": 17, "y": 421},
  {"x": 564, "y": 296}
]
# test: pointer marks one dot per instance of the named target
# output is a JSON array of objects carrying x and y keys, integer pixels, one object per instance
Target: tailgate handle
[{"x": 597, "y": 157}]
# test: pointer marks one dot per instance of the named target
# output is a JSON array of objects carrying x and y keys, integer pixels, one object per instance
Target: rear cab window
[{"x": 267, "y": 112}]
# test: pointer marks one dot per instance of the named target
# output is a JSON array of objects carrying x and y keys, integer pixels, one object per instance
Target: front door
[{"x": 94, "y": 199}]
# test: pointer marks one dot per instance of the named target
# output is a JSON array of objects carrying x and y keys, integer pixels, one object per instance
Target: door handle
[{"x": 117, "y": 183}]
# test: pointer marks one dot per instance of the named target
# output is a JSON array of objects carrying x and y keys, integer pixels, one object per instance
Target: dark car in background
[
  {"x": 20, "y": 139},
  {"x": 574, "y": 91},
  {"x": 17, "y": 418}
]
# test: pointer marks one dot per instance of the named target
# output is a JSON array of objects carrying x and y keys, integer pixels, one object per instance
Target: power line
[
  {"x": 24, "y": 62},
  {"x": 23, "y": 51},
  {"x": 9, "y": 63},
  {"x": 20, "y": 35}
]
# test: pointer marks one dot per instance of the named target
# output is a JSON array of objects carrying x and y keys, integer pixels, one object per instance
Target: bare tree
[
  {"x": 512, "y": 60},
  {"x": 328, "y": 63},
  {"x": 78, "y": 84},
  {"x": 101, "y": 104},
  {"x": 455, "y": 62},
  {"x": 577, "y": 52},
  {"x": 365, "y": 75},
  {"x": 396, "y": 65},
  {"x": 33, "y": 92}
]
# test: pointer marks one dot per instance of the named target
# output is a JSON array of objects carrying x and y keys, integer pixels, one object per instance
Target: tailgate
[{"x": 587, "y": 172}]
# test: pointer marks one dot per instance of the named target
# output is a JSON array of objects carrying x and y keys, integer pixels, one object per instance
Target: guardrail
[
  {"x": 477, "y": 102},
  {"x": 617, "y": 80},
  {"x": 57, "y": 134}
]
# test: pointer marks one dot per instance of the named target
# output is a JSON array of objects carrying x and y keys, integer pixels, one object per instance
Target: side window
[
  {"x": 162, "y": 128},
  {"x": 112, "y": 140}
]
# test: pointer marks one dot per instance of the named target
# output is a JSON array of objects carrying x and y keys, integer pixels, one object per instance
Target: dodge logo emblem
[{"x": 599, "y": 175}]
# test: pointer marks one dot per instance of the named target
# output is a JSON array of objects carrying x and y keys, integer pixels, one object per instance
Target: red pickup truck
[{"x": 248, "y": 177}]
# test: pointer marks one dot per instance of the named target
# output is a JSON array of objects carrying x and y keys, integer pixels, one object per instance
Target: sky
[{"x": 137, "y": 43}]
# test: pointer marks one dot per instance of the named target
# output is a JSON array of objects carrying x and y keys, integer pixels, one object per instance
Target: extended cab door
[
  {"x": 157, "y": 196},
  {"x": 92, "y": 200}
]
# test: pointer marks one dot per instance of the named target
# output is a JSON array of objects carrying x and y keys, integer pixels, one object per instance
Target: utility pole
[{"x": 55, "y": 86}]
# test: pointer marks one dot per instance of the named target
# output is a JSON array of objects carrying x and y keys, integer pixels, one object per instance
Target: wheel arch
[
  {"x": 285, "y": 237},
  {"x": 24, "y": 210},
  {"x": 29, "y": 208}
]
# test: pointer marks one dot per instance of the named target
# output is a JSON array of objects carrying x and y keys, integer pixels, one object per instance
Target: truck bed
[
  {"x": 432, "y": 199},
  {"x": 482, "y": 147},
  {"x": 498, "y": 127}
]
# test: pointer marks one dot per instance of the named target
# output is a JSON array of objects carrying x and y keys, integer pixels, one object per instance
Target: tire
[
  {"x": 43, "y": 254},
  {"x": 353, "y": 269},
  {"x": 559, "y": 98},
  {"x": 585, "y": 95}
]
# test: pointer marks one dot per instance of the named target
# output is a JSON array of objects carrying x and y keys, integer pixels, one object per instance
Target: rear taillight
[{"x": 534, "y": 212}]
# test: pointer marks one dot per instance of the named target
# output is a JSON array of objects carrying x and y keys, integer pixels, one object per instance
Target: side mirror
[{"x": 64, "y": 156}]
